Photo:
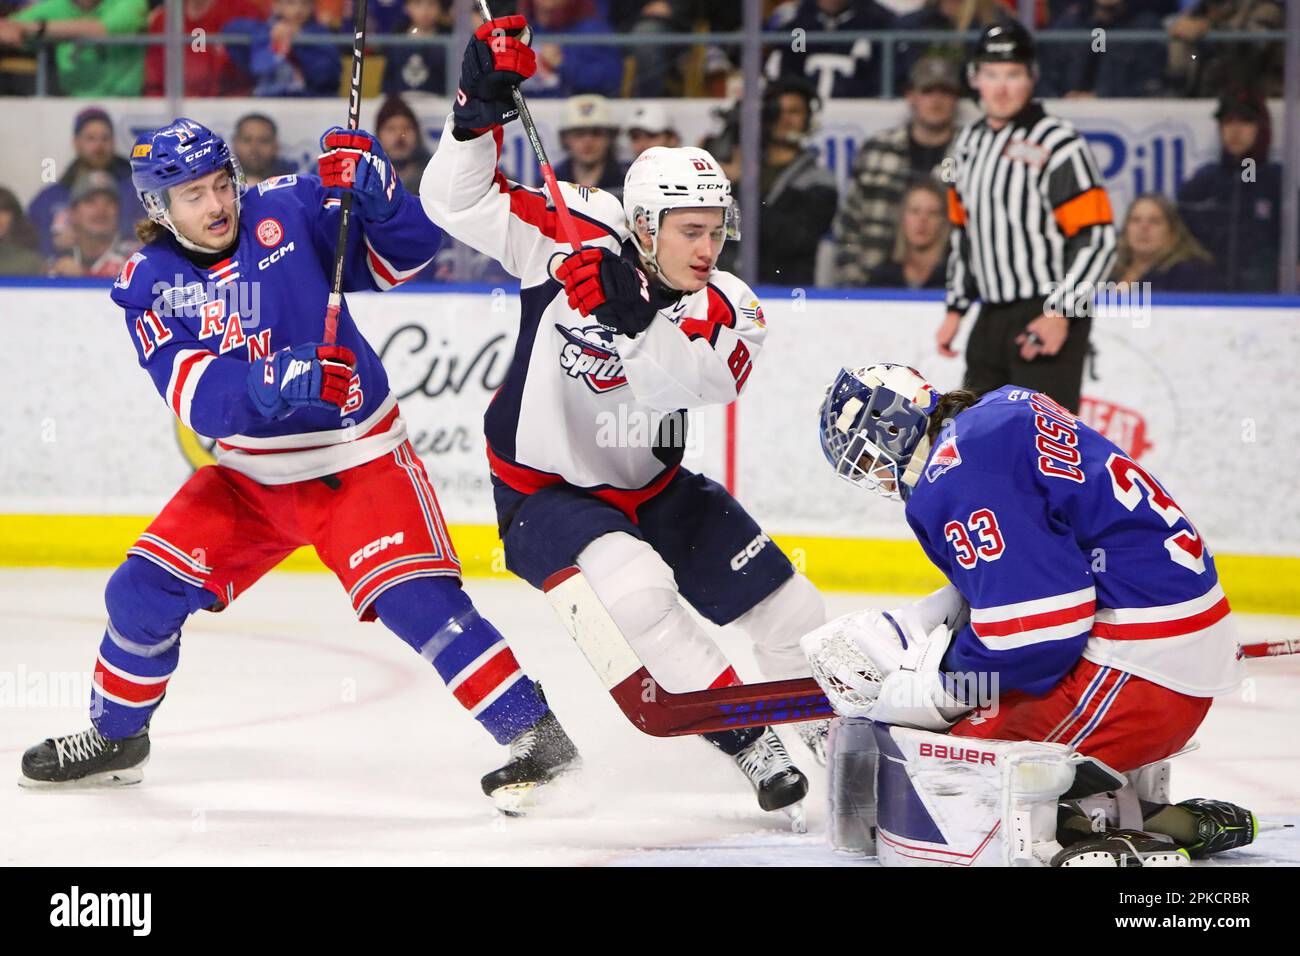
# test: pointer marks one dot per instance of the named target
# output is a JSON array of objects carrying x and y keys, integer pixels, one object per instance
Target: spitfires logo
[
  {"x": 589, "y": 354},
  {"x": 945, "y": 458}
]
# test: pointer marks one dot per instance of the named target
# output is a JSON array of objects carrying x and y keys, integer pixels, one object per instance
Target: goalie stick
[
  {"x": 335, "y": 302},
  {"x": 661, "y": 713}
]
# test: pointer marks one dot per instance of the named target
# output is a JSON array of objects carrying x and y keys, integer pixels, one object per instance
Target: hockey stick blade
[{"x": 649, "y": 707}]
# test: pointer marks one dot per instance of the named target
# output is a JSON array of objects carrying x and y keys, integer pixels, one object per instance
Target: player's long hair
[
  {"x": 950, "y": 405},
  {"x": 147, "y": 231}
]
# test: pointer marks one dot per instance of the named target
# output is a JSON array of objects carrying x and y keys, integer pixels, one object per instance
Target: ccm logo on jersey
[
  {"x": 750, "y": 552},
  {"x": 275, "y": 257},
  {"x": 374, "y": 547},
  {"x": 962, "y": 754}
]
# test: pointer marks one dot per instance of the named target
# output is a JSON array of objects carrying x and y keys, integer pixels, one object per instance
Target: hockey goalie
[{"x": 1026, "y": 713}]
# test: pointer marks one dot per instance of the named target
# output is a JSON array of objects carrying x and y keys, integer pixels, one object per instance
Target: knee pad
[
  {"x": 776, "y": 623},
  {"x": 945, "y": 801},
  {"x": 637, "y": 587},
  {"x": 147, "y": 606}
]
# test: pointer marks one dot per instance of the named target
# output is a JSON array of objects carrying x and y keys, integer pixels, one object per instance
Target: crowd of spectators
[
  {"x": 886, "y": 225},
  {"x": 276, "y": 57}
]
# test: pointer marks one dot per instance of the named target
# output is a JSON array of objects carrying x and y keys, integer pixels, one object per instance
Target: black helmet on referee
[{"x": 1004, "y": 42}]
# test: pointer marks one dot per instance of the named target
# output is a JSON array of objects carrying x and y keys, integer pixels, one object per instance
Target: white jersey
[{"x": 600, "y": 411}]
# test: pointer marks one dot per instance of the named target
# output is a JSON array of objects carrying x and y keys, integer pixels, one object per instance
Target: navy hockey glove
[
  {"x": 491, "y": 67},
  {"x": 353, "y": 159},
  {"x": 312, "y": 376},
  {"x": 613, "y": 289}
]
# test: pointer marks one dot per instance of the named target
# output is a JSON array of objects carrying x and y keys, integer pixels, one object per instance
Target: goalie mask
[
  {"x": 174, "y": 155},
  {"x": 873, "y": 424},
  {"x": 664, "y": 178}
]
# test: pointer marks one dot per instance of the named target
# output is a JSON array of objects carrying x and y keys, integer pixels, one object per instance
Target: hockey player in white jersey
[{"x": 617, "y": 342}]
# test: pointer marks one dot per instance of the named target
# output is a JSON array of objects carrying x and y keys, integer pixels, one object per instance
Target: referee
[{"x": 1032, "y": 231}]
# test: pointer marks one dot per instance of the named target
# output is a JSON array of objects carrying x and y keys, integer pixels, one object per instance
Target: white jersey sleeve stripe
[{"x": 187, "y": 370}]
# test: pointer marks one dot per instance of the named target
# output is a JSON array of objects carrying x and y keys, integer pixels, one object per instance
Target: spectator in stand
[
  {"x": 18, "y": 240},
  {"x": 1213, "y": 69},
  {"x": 648, "y": 127},
  {"x": 956, "y": 15},
  {"x": 85, "y": 69},
  {"x": 92, "y": 144},
  {"x": 920, "y": 257},
  {"x": 208, "y": 71},
  {"x": 587, "y": 137},
  {"x": 97, "y": 248},
  {"x": 1234, "y": 206},
  {"x": 657, "y": 70},
  {"x": 257, "y": 147},
  {"x": 888, "y": 163},
  {"x": 1156, "y": 247},
  {"x": 799, "y": 194},
  {"x": 398, "y": 132},
  {"x": 569, "y": 70},
  {"x": 278, "y": 65},
  {"x": 1079, "y": 69},
  {"x": 835, "y": 69},
  {"x": 421, "y": 68}
]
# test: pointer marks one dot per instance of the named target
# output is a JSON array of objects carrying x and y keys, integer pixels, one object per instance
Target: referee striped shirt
[{"x": 1030, "y": 217}]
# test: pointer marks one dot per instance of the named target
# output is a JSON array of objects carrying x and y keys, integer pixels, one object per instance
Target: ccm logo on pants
[
  {"x": 751, "y": 549},
  {"x": 374, "y": 547}
]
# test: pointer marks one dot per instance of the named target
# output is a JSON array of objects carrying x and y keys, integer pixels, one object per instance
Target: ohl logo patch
[
  {"x": 589, "y": 354},
  {"x": 269, "y": 232},
  {"x": 945, "y": 458}
]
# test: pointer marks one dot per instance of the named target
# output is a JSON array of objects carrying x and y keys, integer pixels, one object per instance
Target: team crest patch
[
  {"x": 945, "y": 458},
  {"x": 269, "y": 232},
  {"x": 128, "y": 270},
  {"x": 754, "y": 312},
  {"x": 589, "y": 354},
  {"x": 276, "y": 182}
]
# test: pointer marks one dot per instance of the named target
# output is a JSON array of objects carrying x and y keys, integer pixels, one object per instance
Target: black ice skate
[
  {"x": 777, "y": 782},
  {"x": 537, "y": 756},
  {"x": 1123, "y": 848},
  {"x": 86, "y": 759},
  {"x": 1205, "y": 827}
]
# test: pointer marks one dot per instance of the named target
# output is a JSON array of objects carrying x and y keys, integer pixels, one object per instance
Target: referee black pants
[{"x": 993, "y": 357}]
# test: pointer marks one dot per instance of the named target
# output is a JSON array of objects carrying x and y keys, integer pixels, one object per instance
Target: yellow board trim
[{"x": 1254, "y": 583}]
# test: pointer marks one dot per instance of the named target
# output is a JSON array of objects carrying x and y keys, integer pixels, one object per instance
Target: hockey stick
[
  {"x": 535, "y": 140},
  {"x": 1269, "y": 648},
  {"x": 345, "y": 210},
  {"x": 654, "y": 710}
]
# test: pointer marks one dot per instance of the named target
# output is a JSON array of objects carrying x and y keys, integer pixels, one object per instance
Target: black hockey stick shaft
[{"x": 345, "y": 210}]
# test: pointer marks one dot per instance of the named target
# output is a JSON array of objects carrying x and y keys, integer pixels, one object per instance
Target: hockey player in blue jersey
[
  {"x": 1084, "y": 608},
  {"x": 225, "y": 306}
]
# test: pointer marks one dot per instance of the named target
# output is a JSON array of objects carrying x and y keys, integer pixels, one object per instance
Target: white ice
[{"x": 294, "y": 735}]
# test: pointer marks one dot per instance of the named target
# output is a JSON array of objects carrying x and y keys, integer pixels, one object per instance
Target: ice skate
[
  {"x": 777, "y": 782},
  {"x": 538, "y": 756},
  {"x": 1123, "y": 848},
  {"x": 86, "y": 759}
]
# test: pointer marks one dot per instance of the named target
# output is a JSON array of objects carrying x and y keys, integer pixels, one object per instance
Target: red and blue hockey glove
[
  {"x": 611, "y": 288},
  {"x": 310, "y": 376},
  {"x": 491, "y": 67},
  {"x": 353, "y": 159}
]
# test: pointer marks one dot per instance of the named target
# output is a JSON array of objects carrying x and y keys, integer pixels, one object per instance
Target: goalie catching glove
[
  {"x": 885, "y": 665},
  {"x": 492, "y": 66},
  {"x": 308, "y": 376}
]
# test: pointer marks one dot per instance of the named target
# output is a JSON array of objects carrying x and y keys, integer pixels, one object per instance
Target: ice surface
[{"x": 294, "y": 735}]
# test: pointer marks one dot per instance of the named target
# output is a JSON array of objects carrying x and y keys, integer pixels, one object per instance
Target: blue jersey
[
  {"x": 197, "y": 322},
  {"x": 1065, "y": 548}
]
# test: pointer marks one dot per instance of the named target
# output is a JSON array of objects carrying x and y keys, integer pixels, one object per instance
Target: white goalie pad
[
  {"x": 939, "y": 800},
  {"x": 884, "y": 665}
]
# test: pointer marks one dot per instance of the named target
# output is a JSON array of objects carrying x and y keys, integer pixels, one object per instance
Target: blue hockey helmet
[
  {"x": 873, "y": 424},
  {"x": 175, "y": 154}
]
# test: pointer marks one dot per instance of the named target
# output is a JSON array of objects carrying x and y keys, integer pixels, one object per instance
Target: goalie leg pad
[
  {"x": 943, "y": 801},
  {"x": 637, "y": 587}
]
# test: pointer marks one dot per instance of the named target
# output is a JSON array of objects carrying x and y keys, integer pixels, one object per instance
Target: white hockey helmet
[{"x": 680, "y": 177}]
